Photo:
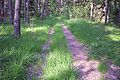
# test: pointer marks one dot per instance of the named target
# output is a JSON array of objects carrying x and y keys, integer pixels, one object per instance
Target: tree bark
[
  {"x": 91, "y": 11},
  {"x": 38, "y": 6},
  {"x": 106, "y": 12},
  {"x": 11, "y": 11},
  {"x": 43, "y": 9},
  {"x": 35, "y": 7},
  {"x": 17, "y": 19},
  {"x": 119, "y": 14},
  {"x": 26, "y": 11},
  {"x": 1, "y": 10},
  {"x": 4, "y": 17}
]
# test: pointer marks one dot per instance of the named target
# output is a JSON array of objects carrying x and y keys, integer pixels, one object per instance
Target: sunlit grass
[
  {"x": 114, "y": 33},
  {"x": 17, "y": 54},
  {"x": 102, "y": 67},
  {"x": 59, "y": 61},
  {"x": 103, "y": 40}
]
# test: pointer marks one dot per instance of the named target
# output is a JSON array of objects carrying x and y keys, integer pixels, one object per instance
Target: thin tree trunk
[
  {"x": 91, "y": 11},
  {"x": 106, "y": 12},
  {"x": 5, "y": 10},
  {"x": 11, "y": 11},
  {"x": 1, "y": 10},
  {"x": 43, "y": 9},
  {"x": 24, "y": 10},
  {"x": 119, "y": 14},
  {"x": 35, "y": 6},
  {"x": 17, "y": 19},
  {"x": 38, "y": 6},
  {"x": 4, "y": 18},
  {"x": 27, "y": 13},
  {"x": 47, "y": 9}
]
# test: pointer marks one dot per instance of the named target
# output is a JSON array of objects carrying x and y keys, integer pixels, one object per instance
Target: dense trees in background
[{"x": 97, "y": 10}]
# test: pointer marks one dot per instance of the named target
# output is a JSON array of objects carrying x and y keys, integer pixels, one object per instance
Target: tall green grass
[
  {"x": 59, "y": 61},
  {"x": 17, "y": 54},
  {"x": 103, "y": 40}
]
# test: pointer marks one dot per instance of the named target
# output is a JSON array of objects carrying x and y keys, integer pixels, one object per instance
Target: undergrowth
[{"x": 17, "y": 54}]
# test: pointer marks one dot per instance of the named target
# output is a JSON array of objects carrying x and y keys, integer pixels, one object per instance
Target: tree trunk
[
  {"x": 43, "y": 9},
  {"x": 11, "y": 11},
  {"x": 38, "y": 6},
  {"x": 106, "y": 12},
  {"x": 1, "y": 10},
  {"x": 17, "y": 19},
  {"x": 119, "y": 14},
  {"x": 35, "y": 7},
  {"x": 26, "y": 11},
  {"x": 5, "y": 10},
  {"x": 91, "y": 11}
]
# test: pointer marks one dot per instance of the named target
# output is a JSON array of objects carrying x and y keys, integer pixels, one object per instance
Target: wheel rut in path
[
  {"x": 113, "y": 72},
  {"x": 35, "y": 71},
  {"x": 87, "y": 69}
]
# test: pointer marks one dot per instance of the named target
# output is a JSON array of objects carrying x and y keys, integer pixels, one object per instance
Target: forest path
[
  {"x": 35, "y": 71},
  {"x": 88, "y": 69},
  {"x": 113, "y": 72}
]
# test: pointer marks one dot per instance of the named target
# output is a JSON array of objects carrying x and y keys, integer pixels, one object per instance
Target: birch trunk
[
  {"x": 17, "y": 19},
  {"x": 106, "y": 11}
]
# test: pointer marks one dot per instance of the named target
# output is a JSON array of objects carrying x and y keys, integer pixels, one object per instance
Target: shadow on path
[{"x": 87, "y": 69}]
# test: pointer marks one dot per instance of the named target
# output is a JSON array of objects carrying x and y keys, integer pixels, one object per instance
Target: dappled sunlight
[
  {"x": 3, "y": 33},
  {"x": 55, "y": 65},
  {"x": 80, "y": 57},
  {"x": 20, "y": 51},
  {"x": 58, "y": 63},
  {"x": 114, "y": 37},
  {"x": 103, "y": 40},
  {"x": 58, "y": 39},
  {"x": 63, "y": 74},
  {"x": 114, "y": 33},
  {"x": 35, "y": 29},
  {"x": 85, "y": 31},
  {"x": 5, "y": 29}
]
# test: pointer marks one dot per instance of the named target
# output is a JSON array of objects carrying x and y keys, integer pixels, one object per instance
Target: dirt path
[
  {"x": 87, "y": 69},
  {"x": 35, "y": 71},
  {"x": 113, "y": 72}
]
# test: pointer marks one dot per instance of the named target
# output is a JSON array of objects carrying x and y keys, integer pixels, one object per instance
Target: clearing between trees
[{"x": 92, "y": 38}]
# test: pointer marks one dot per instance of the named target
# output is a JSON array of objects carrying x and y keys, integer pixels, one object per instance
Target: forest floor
[
  {"x": 97, "y": 44},
  {"x": 88, "y": 69},
  {"x": 103, "y": 43},
  {"x": 35, "y": 71}
]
